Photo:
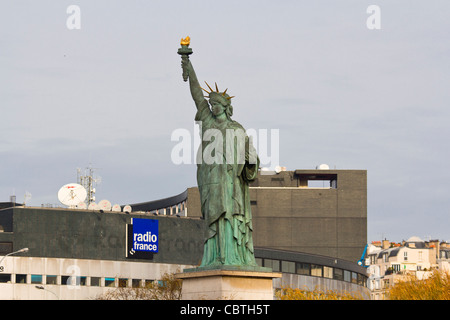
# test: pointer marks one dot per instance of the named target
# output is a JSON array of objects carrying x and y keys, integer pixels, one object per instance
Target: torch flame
[{"x": 185, "y": 42}]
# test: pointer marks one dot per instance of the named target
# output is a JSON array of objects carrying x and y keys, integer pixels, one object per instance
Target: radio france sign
[
  {"x": 142, "y": 238},
  {"x": 145, "y": 235}
]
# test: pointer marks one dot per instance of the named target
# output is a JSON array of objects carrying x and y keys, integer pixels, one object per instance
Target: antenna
[
  {"x": 104, "y": 205},
  {"x": 88, "y": 181},
  {"x": 82, "y": 205},
  {"x": 26, "y": 197},
  {"x": 92, "y": 206},
  {"x": 72, "y": 194},
  {"x": 116, "y": 208}
]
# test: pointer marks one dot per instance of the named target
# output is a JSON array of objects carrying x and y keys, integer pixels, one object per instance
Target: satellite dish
[
  {"x": 277, "y": 169},
  {"x": 104, "y": 205},
  {"x": 116, "y": 208},
  {"x": 82, "y": 205},
  {"x": 72, "y": 194},
  {"x": 323, "y": 167},
  {"x": 92, "y": 206},
  {"x": 127, "y": 208}
]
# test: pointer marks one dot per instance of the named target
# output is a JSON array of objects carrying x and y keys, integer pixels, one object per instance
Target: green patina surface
[{"x": 223, "y": 180}]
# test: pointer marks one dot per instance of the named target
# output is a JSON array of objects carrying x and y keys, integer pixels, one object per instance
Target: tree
[
  {"x": 167, "y": 288},
  {"x": 435, "y": 287},
  {"x": 287, "y": 293}
]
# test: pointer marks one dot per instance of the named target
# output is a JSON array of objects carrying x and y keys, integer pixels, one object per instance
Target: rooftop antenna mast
[{"x": 89, "y": 182}]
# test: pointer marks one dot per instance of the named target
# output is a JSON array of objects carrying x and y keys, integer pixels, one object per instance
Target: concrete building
[
  {"x": 321, "y": 212},
  {"x": 314, "y": 235}
]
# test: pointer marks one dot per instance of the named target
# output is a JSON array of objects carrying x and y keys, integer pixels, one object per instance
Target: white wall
[{"x": 73, "y": 267}]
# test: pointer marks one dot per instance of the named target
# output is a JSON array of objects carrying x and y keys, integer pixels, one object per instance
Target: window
[
  {"x": 420, "y": 256},
  {"x": 328, "y": 272},
  {"x": 303, "y": 268},
  {"x": 396, "y": 268},
  {"x": 405, "y": 256},
  {"x": 95, "y": 281},
  {"x": 316, "y": 270},
  {"x": 136, "y": 283},
  {"x": 73, "y": 281},
  {"x": 362, "y": 280},
  {"x": 109, "y": 282},
  {"x": 66, "y": 280},
  {"x": 149, "y": 283},
  {"x": 36, "y": 278},
  {"x": 377, "y": 284},
  {"x": 259, "y": 261},
  {"x": 21, "y": 278},
  {"x": 81, "y": 281},
  {"x": 338, "y": 274},
  {"x": 50, "y": 279},
  {"x": 123, "y": 283},
  {"x": 354, "y": 277},
  {"x": 318, "y": 180},
  {"x": 5, "y": 277},
  {"x": 274, "y": 264},
  {"x": 288, "y": 266},
  {"x": 347, "y": 276}
]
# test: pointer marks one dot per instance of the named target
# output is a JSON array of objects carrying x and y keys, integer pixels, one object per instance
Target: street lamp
[
  {"x": 11, "y": 253},
  {"x": 42, "y": 288}
]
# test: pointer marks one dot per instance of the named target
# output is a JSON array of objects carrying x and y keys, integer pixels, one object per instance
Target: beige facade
[{"x": 392, "y": 263}]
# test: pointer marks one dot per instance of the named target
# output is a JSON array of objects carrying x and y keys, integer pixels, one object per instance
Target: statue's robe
[{"x": 224, "y": 191}]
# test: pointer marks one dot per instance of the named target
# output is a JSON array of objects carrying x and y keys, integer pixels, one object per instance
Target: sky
[{"x": 110, "y": 93}]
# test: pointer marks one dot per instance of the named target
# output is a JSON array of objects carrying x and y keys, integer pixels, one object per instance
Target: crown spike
[
  {"x": 217, "y": 89},
  {"x": 228, "y": 98},
  {"x": 223, "y": 94},
  {"x": 205, "y": 90},
  {"x": 209, "y": 87}
]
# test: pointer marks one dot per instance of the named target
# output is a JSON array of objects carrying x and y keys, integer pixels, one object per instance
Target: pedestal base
[{"x": 218, "y": 284}]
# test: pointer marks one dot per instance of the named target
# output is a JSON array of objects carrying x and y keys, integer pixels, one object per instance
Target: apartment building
[{"x": 389, "y": 263}]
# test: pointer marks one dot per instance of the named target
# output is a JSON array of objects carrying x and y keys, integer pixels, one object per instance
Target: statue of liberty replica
[{"x": 226, "y": 163}]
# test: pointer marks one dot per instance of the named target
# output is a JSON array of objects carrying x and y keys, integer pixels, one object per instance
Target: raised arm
[{"x": 196, "y": 90}]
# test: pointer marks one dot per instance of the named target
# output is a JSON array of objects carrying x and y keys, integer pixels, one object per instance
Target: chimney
[
  {"x": 385, "y": 244},
  {"x": 435, "y": 243}
]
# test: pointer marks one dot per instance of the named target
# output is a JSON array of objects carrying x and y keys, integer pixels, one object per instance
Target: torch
[{"x": 185, "y": 51}]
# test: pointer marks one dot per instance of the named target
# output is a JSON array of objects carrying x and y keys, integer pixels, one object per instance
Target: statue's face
[{"x": 217, "y": 108}]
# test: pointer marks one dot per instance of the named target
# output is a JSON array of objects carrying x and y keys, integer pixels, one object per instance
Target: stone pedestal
[{"x": 227, "y": 284}]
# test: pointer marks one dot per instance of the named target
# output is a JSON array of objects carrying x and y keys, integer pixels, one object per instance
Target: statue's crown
[{"x": 224, "y": 94}]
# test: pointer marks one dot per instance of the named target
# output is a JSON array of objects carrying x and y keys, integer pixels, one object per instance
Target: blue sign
[{"x": 145, "y": 235}]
